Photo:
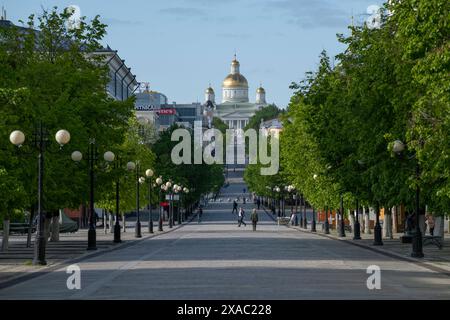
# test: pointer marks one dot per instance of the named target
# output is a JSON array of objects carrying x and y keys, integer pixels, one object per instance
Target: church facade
[{"x": 235, "y": 108}]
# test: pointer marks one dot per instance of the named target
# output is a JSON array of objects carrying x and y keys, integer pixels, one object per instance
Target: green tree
[
  {"x": 66, "y": 84},
  {"x": 199, "y": 178},
  {"x": 268, "y": 112}
]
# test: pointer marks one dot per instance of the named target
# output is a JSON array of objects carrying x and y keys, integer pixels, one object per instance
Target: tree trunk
[
  {"x": 105, "y": 220},
  {"x": 336, "y": 220},
  {"x": 351, "y": 218},
  {"x": 366, "y": 221},
  {"x": 111, "y": 222},
  {"x": 395, "y": 220},
  {"x": 5, "y": 241},
  {"x": 55, "y": 227},
  {"x": 387, "y": 223},
  {"x": 124, "y": 224},
  {"x": 47, "y": 229}
]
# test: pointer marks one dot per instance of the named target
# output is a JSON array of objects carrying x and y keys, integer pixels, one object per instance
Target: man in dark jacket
[
  {"x": 234, "y": 207},
  {"x": 254, "y": 218}
]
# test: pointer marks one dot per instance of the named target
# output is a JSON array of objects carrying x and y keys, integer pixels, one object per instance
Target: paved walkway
[
  {"x": 216, "y": 259},
  {"x": 16, "y": 261},
  {"x": 435, "y": 258}
]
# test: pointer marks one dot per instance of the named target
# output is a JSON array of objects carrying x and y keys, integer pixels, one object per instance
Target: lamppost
[
  {"x": 303, "y": 221},
  {"x": 178, "y": 191},
  {"x": 174, "y": 196},
  {"x": 117, "y": 165},
  {"x": 92, "y": 157},
  {"x": 356, "y": 226},
  {"x": 377, "y": 241},
  {"x": 149, "y": 174},
  {"x": 417, "y": 246},
  {"x": 135, "y": 166},
  {"x": 326, "y": 223},
  {"x": 295, "y": 196},
  {"x": 159, "y": 182},
  {"x": 185, "y": 191},
  {"x": 341, "y": 214},
  {"x": 170, "y": 192},
  {"x": 41, "y": 140},
  {"x": 288, "y": 192},
  {"x": 313, "y": 222},
  {"x": 277, "y": 190}
]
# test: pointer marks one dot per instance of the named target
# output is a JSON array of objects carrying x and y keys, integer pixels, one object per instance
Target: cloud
[
  {"x": 310, "y": 14},
  {"x": 183, "y": 12},
  {"x": 115, "y": 21}
]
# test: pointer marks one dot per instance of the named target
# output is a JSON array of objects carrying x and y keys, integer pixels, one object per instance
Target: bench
[
  {"x": 283, "y": 220},
  {"x": 436, "y": 240},
  {"x": 20, "y": 228}
]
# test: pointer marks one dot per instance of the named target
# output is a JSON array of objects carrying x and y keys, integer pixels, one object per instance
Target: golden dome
[
  {"x": 260, "y": 90},
  {"x": 235, "y": 80},
  {"x": 209, "y": 90}
]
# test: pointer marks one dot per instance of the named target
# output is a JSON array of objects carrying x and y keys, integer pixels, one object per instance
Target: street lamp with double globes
[
  {"x": 185, "y": 191},
  {"x": 305, "y": 220},
  {"x": 135, "y": 166},
  {"x": 174, "y": 191},
  {"x": 417, "y": 246},
  {"x": 149, "y": 175},
  {"x": 164, "y": 192},
  {"x": 117, "y": 165},
  {"x": 289, "y": 189},
  {"x": 170, "y": 191},
  {"x": 341, "y": 215},
  {"x": 92, "y": 157},
  {"x": 277, "y": 190},
  {"x": 41, "y": 140},
  {"x": 159, "y": 183},
  {"x": 180, "y": 191}
]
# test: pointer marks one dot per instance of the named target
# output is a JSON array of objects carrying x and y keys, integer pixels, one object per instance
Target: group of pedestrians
[{"x": 241, "y": 215}]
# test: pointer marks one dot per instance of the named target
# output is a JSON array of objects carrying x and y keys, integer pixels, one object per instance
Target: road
[{"x": 216, "y": 259}]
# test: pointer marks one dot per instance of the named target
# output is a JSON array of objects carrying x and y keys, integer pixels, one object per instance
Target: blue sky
[{"x": 179, "y": 46}]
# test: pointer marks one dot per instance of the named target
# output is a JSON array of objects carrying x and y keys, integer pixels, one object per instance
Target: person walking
[
  {"x": 292, "y": 217},
  {"x": 241, "y": 216},
  {"x": 234, "y": 207},
  {"x": 254, "y": 217},
  {"x": 258, "y": 202}
]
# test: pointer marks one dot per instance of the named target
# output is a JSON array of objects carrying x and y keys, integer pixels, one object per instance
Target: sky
[{"x": 180, "y": 46}]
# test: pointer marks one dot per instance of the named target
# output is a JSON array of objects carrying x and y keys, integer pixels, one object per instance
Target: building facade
[
  {"x": 153, "y": 106},
  {"x": 235, "y": 108}
]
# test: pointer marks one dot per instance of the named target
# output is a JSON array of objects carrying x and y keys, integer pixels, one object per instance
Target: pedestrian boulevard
[{"x": 216, "y": 259}]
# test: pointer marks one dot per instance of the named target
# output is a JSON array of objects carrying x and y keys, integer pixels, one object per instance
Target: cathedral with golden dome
[{"x": 235, "y": 109}]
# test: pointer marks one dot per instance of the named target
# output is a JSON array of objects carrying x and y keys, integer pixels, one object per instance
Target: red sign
[
  {"x": 164, "y": 204},
  {"x": 167, "y": 111}
]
